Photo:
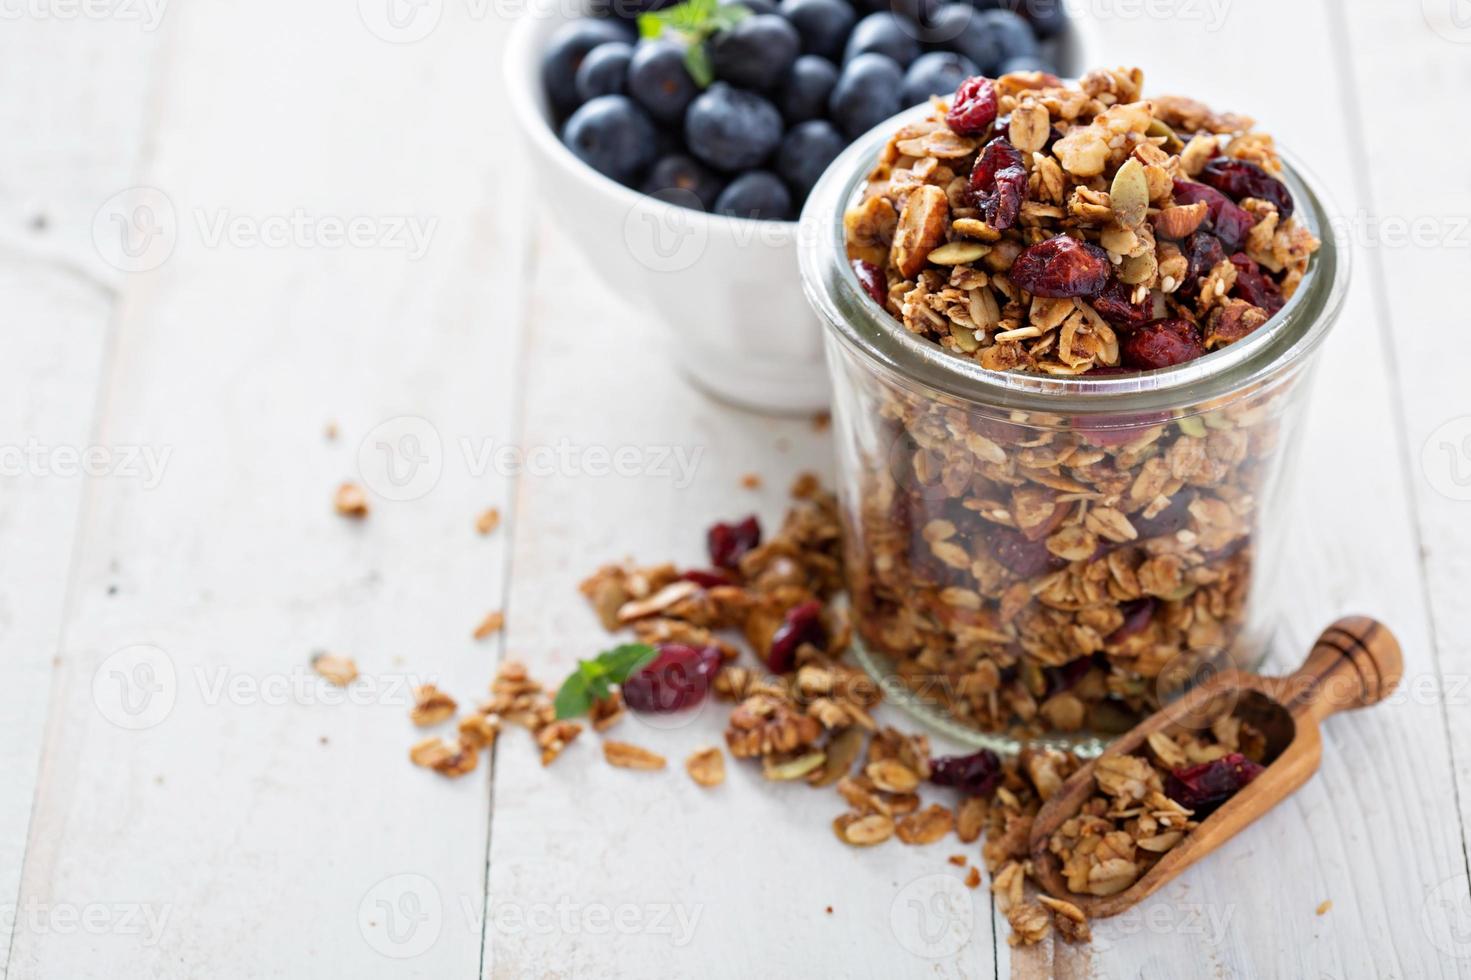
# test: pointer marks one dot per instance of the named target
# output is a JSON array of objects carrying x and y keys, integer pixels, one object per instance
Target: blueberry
[
  {"x": 659, "y": 81},
  {"x": 958, "y": 27},
  {"x": 867, "y": 93},
  {"x": 803, "y": 94},
  {"x": 758, "y": 194},
  {"x": 1026, "y": 62},
  {"x": 570, "y": 43},
  {"x": 613, "y": 136},
  {"x": 1048, "y": 17},
  {"x": 604, "y": 71},
  {"x": 918, "y": 11},
  {"x": 885, "y": 34},
  {"x": 732, "y": 129},
  {"x": 824, "y": 25},
  {"x": 936, "y": 73},
  {"x": 756, "y": 52},
  {"x": 1013, "y": 35},
  {"x": 805, "y": 153},
  {"x": 754, "y": 6},
  {"x": 679, "y": 172}
]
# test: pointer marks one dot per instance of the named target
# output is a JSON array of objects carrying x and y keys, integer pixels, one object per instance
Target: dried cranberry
[
  {"x": 1116, "y": 305},
  {"x": 1174, "y": 518},
  {"x": 729, "y": 542},
  {"x": 1255, "y": 286},
  {"x": 973, "y": 775},
  {"x": 1061, "y": 267},
  {"x": 1205, "y": 253},
  {"x": 1161, "y": 343},
  {"x": 998, "y": 182},
  {"x": 1242, "y": 179},
  {"x": 1067, "y": 676},
  {"x": 1228, "y": 220},
  {"x": 707, "y": 578},
  {"x": 802, "y": 624},
  {"x": 872, "y": 280},
  {"x": 1206, "y": 786},
  {"x": 974, "y": 106},
  {"x": 1137, "y": 616},
  {"x": 1025, "y": 558},
  {"x": 678, "y": 677}
]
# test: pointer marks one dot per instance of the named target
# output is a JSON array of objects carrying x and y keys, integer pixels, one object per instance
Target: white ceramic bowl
[{"x": 727, "y": 289}]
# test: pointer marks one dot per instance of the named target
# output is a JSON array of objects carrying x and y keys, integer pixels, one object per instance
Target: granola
[
  {"x": 1145, "y": 804},
  {"x": 1057, "y": 238},
  {"x": 1035, "y": 572}
]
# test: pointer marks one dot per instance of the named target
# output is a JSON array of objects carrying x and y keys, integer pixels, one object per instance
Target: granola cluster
[
  {"x": 1035, "y": 572},
  {"x": 1139, "y": 811},
  {"x": 1034, "y": 226}
]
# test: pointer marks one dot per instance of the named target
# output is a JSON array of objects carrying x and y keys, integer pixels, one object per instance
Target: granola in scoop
[{"x": 1040, "y": 227}]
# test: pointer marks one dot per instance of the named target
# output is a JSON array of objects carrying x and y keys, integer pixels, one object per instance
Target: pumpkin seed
[{"x": 1129, "y": 195}]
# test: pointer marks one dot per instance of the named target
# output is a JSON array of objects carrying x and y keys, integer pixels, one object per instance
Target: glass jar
[{"x": 1041, "y": 559}]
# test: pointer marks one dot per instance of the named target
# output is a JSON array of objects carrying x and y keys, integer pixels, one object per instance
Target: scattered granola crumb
[
  {"x": 606, "y": 712},
  {"x": 959, "y": 860},
  {"x": 351, "y": 501},
  {"x": 331, "y": 429},
  {"x": 706, "y": 766},
  {"x": 554, "y": 737},
  {"x": 479, "y": 730},
  {"x": 488, "y": 521},
  {"x": 822, "y": 421},
  {"x": 452, "y": 759},
  {"x": 751, "y": 481},
  {"x": 1324, "y": 906},
  {"x": 336, "y": 668},
  {"x": 492, "y": 623},
  {"x": 431, "y": 706},
  {"x": 973, "y": 878},
  {"x": 806, "y": 486},
  {"x": 829, "y": 910},
  {"x": 626, "y": 756}
]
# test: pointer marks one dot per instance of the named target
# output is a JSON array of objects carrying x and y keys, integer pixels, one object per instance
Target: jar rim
[{"x": 855, "y": 319}]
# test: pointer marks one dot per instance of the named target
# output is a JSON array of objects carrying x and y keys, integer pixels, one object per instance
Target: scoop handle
[{"x": 1356, "y": 662}]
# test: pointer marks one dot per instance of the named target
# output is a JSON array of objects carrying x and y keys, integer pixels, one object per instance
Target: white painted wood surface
[{"x": 258, "y": 830}]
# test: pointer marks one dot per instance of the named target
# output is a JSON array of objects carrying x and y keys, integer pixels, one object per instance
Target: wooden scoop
[{"x": 1355, "y": 663}]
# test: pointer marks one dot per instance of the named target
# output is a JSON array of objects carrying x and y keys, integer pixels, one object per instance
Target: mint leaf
[
  {"x": 593, "y": 679},
  {"x": 692, "y": 23},
  {"x": 697, "y": 63}
]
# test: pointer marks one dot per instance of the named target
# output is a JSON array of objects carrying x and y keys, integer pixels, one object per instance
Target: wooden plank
[
  {"x": 734, "y": 881},
  {"x": 59, "y": 300},
  {"x": 261, "y": 827},
  {"x": 1416, "y": 241},
  {"x": 1345, "y": 836}
]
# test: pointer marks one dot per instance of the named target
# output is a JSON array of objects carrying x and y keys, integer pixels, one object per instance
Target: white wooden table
[{"x": 181, "y": 798}]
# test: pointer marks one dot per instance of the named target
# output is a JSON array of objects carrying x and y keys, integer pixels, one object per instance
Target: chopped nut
[
  {"x": 706, "y": 766},
  {"x": 336, "y": 668},
  {"x": 491, "y": 624},
  {"x": 351, "y": 501},
  {"x": 626, "y": 756},
  {"x": 431, "y": 706}
]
